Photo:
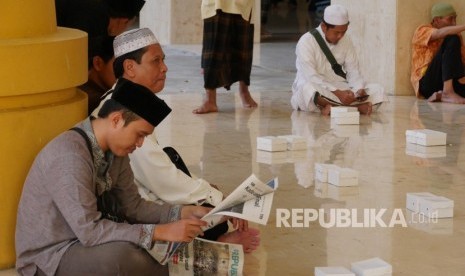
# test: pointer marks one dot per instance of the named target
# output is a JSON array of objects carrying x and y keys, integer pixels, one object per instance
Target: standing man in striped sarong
[{"x": 227, "y": 50}]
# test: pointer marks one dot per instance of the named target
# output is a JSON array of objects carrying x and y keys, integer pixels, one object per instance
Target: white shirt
[
  {"x": 158, "y": 179},
  {"x": 314, "y": 72}
]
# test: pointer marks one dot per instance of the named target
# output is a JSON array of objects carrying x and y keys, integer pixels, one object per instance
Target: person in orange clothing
[{"x": 438, "y": 57}]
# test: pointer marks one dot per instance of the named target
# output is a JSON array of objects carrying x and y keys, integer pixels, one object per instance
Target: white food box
[
  {"x": 410, "y": 136},
  {"x": 437, "y": 207},
  {"x": 429, "y": 225},
  {"x": 348, "y": 118},
  {"x": 413, "y": 200},
  {"x": 322, "y": 171},
  {"x": 372, "y": 267},
  {"x": 270, "y": 158},
  {"x": 337, "y": 110},
  {"x": 425, "y": 152},
  {"x": 343, "y": 177},
  {"x": 333, "y": 271},
  {"x": 271, "y": 143},
  {"x": 428, "y": 137},
  {"x": 295, "y": 142}
]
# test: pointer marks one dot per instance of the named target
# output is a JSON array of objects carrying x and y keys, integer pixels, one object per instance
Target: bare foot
[
  {"x": 206, "y": 108},
  {"x": 247, "y": 100},
  {"x": 326, "y": 110},
  {"x": 365, "y": 108},
  {"x": 250, "y": 239},
  {"x": 436, "y": 97},
  {"x": 452, "y": 97}
]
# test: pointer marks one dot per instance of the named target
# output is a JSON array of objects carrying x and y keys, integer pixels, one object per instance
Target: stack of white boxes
[
  {"x": 430, "y": 205},
  {"x": 372, "y": 267},
  {"x": 281, "y": 149},
  {"x": 333, "y": 174},
  {"x": 425, "y": 143},
  {"x": 333, "y": 271},
  {"x": 345, "y": 115}
]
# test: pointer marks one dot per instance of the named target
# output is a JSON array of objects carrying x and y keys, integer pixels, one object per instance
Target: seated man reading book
[{"x": 321, "y": 83}]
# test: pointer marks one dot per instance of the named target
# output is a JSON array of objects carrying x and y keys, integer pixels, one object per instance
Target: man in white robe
[{"x": 317, "y": 87}]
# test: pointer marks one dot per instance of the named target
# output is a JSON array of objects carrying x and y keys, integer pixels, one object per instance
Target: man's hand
[
  {"x": 195, "y": 212},
  {"x": 345, "y": 96},
  {"x": 361, "y": 95},
  {"x": 184, "y": 230}
]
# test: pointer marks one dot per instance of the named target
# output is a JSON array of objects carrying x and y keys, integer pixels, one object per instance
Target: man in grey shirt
[{"x": 61, "y": 228}]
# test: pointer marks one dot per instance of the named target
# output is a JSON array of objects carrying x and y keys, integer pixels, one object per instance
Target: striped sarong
[{"x": 227, "y": 50}]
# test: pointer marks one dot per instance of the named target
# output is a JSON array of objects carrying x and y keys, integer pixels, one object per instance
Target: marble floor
[{"x": 221, "y": 148}]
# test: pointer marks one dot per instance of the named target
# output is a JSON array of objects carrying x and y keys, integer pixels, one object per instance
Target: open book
[{"x": 250, "y": 201}]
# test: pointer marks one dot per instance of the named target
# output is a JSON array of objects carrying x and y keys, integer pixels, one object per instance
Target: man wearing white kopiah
[
  {"x": 140, "y": 59},
  {"x": 327, "y": 69}
]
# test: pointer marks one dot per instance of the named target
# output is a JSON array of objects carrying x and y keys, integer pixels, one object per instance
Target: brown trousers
[{"x": 113, "y": 258}]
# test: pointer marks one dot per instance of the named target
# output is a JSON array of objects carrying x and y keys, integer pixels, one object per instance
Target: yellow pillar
[{"x": 41, "y": 64}]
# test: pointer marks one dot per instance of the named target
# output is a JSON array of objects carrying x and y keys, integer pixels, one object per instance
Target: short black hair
[
  {"x": 100, "y": 46},
  {"x": 134, "y": 55},
  {"x": 124, "y": 8},
  {"x": 111, "y": 106}
]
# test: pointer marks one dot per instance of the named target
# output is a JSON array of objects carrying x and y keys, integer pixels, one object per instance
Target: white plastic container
[
  {"x": 333, "y": 271},
  {"x": 343, "y": 177},
  {"x": 271, "y": 143},
  {"x": 372, "y": 267},
  {"x": 410, "y": 136},
  {"x": 336, "y": 111},
  {"x": 437, "y": 207},
  {"x": 295, "y": 142},
  {"x": 428, "y": 137},
  {"x": 413, "y": 200}
]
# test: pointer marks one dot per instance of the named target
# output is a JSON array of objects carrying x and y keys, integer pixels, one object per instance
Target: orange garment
[{"x": 423, "y": 52}]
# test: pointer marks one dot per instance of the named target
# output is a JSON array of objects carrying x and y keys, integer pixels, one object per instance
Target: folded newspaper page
[
  {"x": 204, "y": 257},
  {"x": 250, "y": 201}
]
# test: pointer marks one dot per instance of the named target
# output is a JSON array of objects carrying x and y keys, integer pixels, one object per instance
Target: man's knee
[
  {"x": 113, "y": 258},
  {"x": 133, "y": 260}
]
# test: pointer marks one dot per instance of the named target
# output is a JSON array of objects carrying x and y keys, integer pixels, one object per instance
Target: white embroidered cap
[
  {"x": 133, "y": 40},
  {"x": 336, "y": 15}
]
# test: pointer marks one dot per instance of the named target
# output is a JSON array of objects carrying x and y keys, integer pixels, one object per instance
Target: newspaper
[
  {"x": 204, "y": 257},
  {"x": 250, "y": 201}
]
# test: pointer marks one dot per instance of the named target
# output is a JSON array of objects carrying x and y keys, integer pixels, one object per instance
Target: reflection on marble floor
[{"x": 222, "y": 148}]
